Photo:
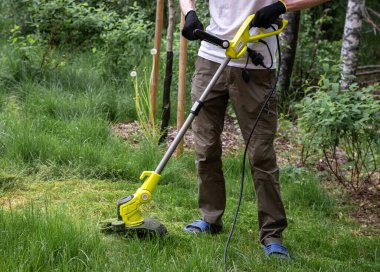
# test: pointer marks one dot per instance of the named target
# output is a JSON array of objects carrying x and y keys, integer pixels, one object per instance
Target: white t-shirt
[{"x": 226, "y": 18}]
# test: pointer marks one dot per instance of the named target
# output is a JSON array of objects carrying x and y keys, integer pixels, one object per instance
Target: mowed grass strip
[{"x": 68, "y": 213}]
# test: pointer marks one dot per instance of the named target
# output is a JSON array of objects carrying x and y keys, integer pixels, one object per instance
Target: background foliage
[{"x": 57, "y": 53}]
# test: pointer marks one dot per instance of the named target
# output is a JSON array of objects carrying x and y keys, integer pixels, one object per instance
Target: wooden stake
[
  {"x": 156, "y": 59},
  {"x": 181, "y": 85}
]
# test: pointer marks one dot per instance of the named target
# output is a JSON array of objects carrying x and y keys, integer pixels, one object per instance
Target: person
[{"x": 247, "y": 97}]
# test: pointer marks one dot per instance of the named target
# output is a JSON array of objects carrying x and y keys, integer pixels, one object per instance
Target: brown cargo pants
[{"x": 247, "y": 100}]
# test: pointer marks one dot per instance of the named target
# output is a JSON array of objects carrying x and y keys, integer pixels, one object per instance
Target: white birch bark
[
  {"x": 171, "y": 24},
  {"x": 351, "y": 41}
]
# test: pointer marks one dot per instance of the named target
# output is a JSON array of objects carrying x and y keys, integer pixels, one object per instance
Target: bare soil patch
[
  {"x": 232, "y": 140},
  {"x": 368, "y": 206}
]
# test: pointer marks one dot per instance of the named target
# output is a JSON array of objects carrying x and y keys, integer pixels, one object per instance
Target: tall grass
[
  {"x": 60, "y": 123},
  {"x": 143, "y": 105},
  {"x": 57, "y": 122},
  {"x": 304, "y": 189},
  {"x": 55, "y": 133},
  {"x": 42, "y": 133},
  {"x": 42, "y": 240}
]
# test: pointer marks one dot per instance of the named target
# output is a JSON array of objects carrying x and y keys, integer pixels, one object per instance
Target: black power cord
[
  {"x": 257, "y": 59},
  {"x": 246, "y": 150}
]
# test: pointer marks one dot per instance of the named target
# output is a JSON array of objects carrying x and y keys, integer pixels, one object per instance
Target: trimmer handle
[
  {"x": 205, "y": 36},
  {"x": 278, "y": 22}
]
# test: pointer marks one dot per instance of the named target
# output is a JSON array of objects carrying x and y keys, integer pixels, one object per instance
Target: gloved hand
[
  {"x": 191, "y": 23},
  {"x": 266, "y": 16}
]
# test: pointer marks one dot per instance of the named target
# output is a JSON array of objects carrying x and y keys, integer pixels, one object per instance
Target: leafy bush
[
  {"x": 316, "y": 45},
  {"x": 124, "y": 43},
  {"x": 118, "y": 40},
  {"x": 345, "y": 127}
]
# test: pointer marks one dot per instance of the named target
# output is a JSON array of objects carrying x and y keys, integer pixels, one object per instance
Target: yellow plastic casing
[
  {"x": 238, "y": 45},
  {"x": 130, "y": 210}
]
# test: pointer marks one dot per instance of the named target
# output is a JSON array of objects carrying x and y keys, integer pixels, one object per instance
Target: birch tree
[{"x": 351, "y": 41}]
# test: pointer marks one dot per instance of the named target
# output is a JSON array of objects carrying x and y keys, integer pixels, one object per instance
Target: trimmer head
[{"x": 149, "y": 228}]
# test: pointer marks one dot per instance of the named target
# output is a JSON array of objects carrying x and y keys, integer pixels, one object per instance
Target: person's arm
[
  {"x": 294, "y": 5},
  {"x": 186, "y": 6},
  {"x": 191, "y": 19},
  {"x": 266, "y": 16}
]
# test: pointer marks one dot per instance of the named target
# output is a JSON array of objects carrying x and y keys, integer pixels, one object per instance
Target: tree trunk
[
  {"x": 156, "y": 60},
  {"x": 351, "y": 39},
  {"x": 168, "y": 72},
  {"x": 289, "y": 38},
  {"x": 181, "y": 86}
]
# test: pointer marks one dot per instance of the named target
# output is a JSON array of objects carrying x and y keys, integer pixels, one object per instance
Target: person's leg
[
  {"x": 247, "y": 100},
  {"x": 207, "y": 128}
]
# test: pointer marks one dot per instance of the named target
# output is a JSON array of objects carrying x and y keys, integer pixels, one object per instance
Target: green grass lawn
[
  {"x": 52, "y": 225},
  {"x": 62, "y": 171}
]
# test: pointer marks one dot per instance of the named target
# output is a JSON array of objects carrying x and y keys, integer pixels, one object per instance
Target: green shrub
[
  {"x": 124, "y": 42},
  {"x": 344, "y": 126},
  {"x": 119, "y": 41}
]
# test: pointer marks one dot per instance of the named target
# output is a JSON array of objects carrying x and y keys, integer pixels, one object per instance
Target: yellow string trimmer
[{"x": 129, "y": 215}]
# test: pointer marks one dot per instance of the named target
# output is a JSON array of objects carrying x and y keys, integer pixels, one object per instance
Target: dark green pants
[{"x": 247, "y": 100}]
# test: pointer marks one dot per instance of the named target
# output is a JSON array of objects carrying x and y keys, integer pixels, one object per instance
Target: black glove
[
  {"x": 191, "y": 23},
  {"x": 266, "y": 16}
]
